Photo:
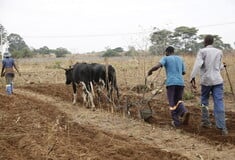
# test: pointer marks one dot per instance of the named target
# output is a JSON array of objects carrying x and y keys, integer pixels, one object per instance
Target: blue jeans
[
  {"x": 175, "y": 94},
  {"x": 217, "y": 93}
]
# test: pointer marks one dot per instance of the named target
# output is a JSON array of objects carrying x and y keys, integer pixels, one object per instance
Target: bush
[{"x": 110, "y": 53}]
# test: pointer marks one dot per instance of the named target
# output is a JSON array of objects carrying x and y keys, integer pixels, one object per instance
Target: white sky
[{"x": 93, "y": 25}]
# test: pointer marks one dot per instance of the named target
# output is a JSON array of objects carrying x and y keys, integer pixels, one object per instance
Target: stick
[{"x": 231, "y": 87}]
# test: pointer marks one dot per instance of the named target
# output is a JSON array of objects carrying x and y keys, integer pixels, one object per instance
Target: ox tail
[
  {"x": 107, "y": 76},
  {"x": 92, "y": 89},
  {"x": 114, "y": 81}
]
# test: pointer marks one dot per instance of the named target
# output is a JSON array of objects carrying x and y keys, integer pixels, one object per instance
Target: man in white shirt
[{"x": 209, "y": 62}]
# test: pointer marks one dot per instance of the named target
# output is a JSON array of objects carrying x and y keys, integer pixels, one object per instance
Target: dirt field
[{"x": 39, "y": 122}]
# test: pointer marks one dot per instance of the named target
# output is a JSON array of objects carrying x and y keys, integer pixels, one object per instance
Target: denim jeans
[
  {"x": 217, "y": 93},
  {"x": 175, "y": 94}
]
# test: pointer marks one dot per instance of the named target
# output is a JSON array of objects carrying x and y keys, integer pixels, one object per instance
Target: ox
[
  {"x": 81, "y": 73},
  {"x": 89, "y": 74},
  {"x": 108, "y": 79}
]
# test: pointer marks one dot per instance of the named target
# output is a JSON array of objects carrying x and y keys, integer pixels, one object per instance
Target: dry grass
[{"x": 131, "y": 71}]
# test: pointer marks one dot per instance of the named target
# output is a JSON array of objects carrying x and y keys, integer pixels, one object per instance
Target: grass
[{"x": 130, "y": 71}]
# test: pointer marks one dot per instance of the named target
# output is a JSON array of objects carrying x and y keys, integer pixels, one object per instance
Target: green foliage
[
  {"x": 23, "y": 53},
  {"x": 17, "y": 46},
  {"x": 184, "y": 39},
  {"x": 3, "y": 39},
  {"x": 118, "y": 49},
  {"x": 61, "y": 52},
  {"x": 43, "y": 50},
  {"x": 110, "y": 53},
  {"x": 218, "y": 43},
  {"x": 188, "y": 95},
  {"x": 16, "y": 42},
  {"x": 160, "y": 39},
  {"x": 131, "y": 51}
]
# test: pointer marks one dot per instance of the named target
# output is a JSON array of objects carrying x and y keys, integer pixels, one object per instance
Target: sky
[{"x": 94, "y": 25}]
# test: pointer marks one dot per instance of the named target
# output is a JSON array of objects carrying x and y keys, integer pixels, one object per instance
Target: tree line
[
  {"x": 19, "y": 49},
  {"x": 185, "y": 39}
]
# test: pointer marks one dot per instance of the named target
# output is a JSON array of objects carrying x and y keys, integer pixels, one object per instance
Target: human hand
[
  {"x": 150, "y": 73},
  {"x": 224, "y": 64},
  {"x": 193, "y": 83}
]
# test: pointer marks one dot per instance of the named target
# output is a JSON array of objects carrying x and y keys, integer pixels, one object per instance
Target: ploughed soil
[{"x": 39, "y": 122}]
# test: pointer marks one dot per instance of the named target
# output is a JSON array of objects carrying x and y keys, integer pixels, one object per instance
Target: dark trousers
[{"x": 175, "y": 94}]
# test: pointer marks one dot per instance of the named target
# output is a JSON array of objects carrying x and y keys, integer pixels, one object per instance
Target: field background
[
  {"x": 131, "y": 71},
  {"x": 39, "y": 121}
]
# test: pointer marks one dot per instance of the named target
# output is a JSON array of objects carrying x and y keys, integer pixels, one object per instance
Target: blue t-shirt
[
  {"x": 8, "y": 62},
  {"x": 174, "y": 66}
]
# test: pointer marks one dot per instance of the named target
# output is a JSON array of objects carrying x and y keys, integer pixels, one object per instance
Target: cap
[{"x": 7, "y": 54}]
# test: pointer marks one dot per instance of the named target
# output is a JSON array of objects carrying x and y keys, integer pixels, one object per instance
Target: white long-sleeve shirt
[{"x": 209, "y": 62}]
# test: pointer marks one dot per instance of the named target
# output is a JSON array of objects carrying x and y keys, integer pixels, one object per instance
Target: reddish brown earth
[{"x": 39, "y": 122}]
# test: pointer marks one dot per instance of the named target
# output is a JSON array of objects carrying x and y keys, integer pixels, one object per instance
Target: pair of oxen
[{"x": 88, "y": 75}]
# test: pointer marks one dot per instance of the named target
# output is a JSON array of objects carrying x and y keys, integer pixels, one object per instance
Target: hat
[{"x": 7, "y": 54}]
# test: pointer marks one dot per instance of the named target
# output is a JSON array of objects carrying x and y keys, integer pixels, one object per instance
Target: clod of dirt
[{"x": 141, "y": 88}]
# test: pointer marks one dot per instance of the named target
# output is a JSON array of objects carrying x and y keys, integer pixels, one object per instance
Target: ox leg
[
  {"x": 87, "y": 96},
  {"x": 74, "y": 93},
  {"x": 101, "y": 86},
  {"x": 90, "y": 101},
  {"x": 84, "y": 95}
]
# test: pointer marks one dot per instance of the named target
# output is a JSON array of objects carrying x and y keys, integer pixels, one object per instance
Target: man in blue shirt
[
  {"x": 175, "y": 69},
  {"x": 8, "y": 64}
]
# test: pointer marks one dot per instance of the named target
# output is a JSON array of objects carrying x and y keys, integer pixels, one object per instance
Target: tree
[
  {"x": 24, "y": 53},
  {"x": 110, "y": 53},
  {"x": 17, "y": 46},
  {"x": 3, "y": 33},
  {"x": 16, "y": 42},
  {"x": 186, "y": 38},
  {"x": 61, "y": 52},
  {"x": 218, "y": 43},
  {"x": 183, "y": 39},
  {"x": 43, "y": 50},
  {"x": 160, "y": 39},
  {"x": 118, "y": 49},
  {"x": 131, "y": 51}
]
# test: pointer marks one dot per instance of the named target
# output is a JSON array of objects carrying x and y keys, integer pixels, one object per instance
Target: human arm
[
  {"x": 183, "y": 69},
  {"x": 154, "y": 68},
  {"x": 14, "y": 65},
  {"x": 197, "y": 65},
  {"x": 3, "y": 67},
  {"x": 17, "y": 70},
  {"x": 2, "y": 73}
]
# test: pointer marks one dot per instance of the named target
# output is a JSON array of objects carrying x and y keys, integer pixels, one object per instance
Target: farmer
[
  {"x": 209, "y": 62},
  {"x": 7, "y": 70},
  {"x": 175, "y": 69}
]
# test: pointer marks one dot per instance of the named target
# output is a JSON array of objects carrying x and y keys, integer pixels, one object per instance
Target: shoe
[
  {"x": 173, "y": 124},
  {"x": 206, "y": 125},
  {"x": 224, "y": 132},
  {"x": 185, "y": 118}
]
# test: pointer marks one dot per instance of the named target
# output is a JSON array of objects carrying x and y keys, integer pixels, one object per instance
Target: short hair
[
  {"x": 170, "y": 49},
  {"x": 208, "y": 40}
]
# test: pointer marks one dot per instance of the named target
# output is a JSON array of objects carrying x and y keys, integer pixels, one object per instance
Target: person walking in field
[
  {"x": 8, "y": 63},
  {"x": 175, "y": 69},
  {"x": 209, "y": 62}
]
